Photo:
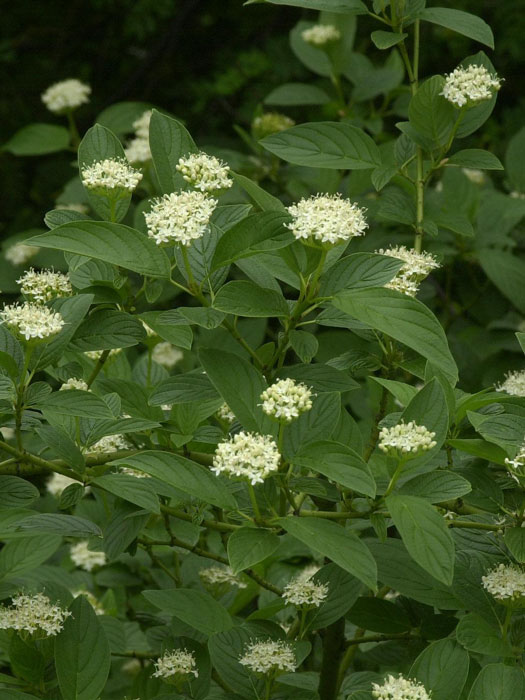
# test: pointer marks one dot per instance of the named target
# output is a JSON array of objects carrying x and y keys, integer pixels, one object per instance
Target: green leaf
[
  {"x": 404, "y": 393},
  {"x": 504, "y": 429},
  {"x": 338, "y": 6},
  {"x": 16, "y": 492},
  {"x": 119, "y": 117},
  {"x": 189, "y": 477},
  {"x": 515, "y": 540},
  {"x": 339, "y": 463},
  {"x": 480, "y": 448},
  {"x": 131, "y": 489},
  {"x": 498, "y": 682},
  {"x": 50, "y": 523},
  {"x": 358, "y": 271},
  {"x": 184, "y": 388},
  {"x": 245, "y": 298},
  {"x": 113, "y": 243},
  {"x": 343, "y": 591},
  {"x": 316, "y": 424},
  {"x": 99, "y": 144},
  {"x": 248, "y": 546},
  {"x": 379, "y": 615},
  {"x": 320, "y": 378},
  {"x": 304, "y": 344},
  {"x": 477, "y": 115},
  {"x": 325, "y": 145},
  {"x": 514, "y": 159},
  {"x": 424, "y": 534},
  {"x": 506, "y": 271},
  {"x": 437, "y": 486},
  {"x": 292, "y": 94},
  {"x": 27, "y": 553},
  {"x": 82, "y": 655},
  {"x": 60, "y": 443},
  {"x": 405, "y": 319},
  {"x": 264, "y": 200},
  {"x": 57, "y": 217},
  {"x": 37, "y": 140},
  {"x": 475, "y": 158},
  {"x": 75, "y": 402},
  {"x": 105, "y": 329},
  {"x": 476, "y": 635},
  {"x": 343, "y": 547},
  {"x": 430, "y": 114},
  {"x": 384, "y": 40},
  {"x": 170, "y": 326},
  {"x": 442, "y": 668},
  {"x": 197, "y": 609},
  {"x": 461, "y": 22},
  {"x": 169, "y": 140}
]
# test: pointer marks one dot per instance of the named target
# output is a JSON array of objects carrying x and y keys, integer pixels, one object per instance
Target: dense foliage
[{"x": 262, "y": 404}]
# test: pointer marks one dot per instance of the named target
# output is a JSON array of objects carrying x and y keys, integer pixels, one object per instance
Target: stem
[
  {"x": 255, "y": 505},
  {"x": 394, "y": 478},
  {"x": 506, "y": 622},
  {"x": 100, "y": 363},
  {"x": 42, "y": 464},
  {"x": 189, "y": 272},
  {"x": 20, "y": 394},
  {"x": 75, "y": 136},
  {"x": 374, "y": 436},
  {"x": 332, "y": 649},
  {"x": 315, "y": 279}
]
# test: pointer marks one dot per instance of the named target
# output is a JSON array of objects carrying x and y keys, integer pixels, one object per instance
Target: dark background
[{"x": 209, "y": 62}]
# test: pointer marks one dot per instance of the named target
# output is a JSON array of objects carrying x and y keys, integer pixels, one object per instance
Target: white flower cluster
[
  {"x": 305, "y": 592},
  {"x": 66, "y": 95},
  {"x": 111, "y": 174},
  {"x": 205, "y": 173},
  {"x": 74, "y": 383},
  {"x": 405, "y": 438},
  {"x": 138, "y": 149},
  {"x": 505, "y": 582},
  {"x": 270, "y": 123},
  {"x": 416, "y": 266},
  {"x": 20, "y": 253},
  {"x": 225, "y": 413},
  {"x": 84, "y": 558},
  {"x": 474, "y": 175},
  {"x": 32, "y": 614},
  {"x": 31, "y": 321},
  {"x": 134, "y": 472},
  {"x": 179, "y": 217},
  {"x": 514, "y": 383},
  {"x": 97, "y": 354},
  {"x": 399, "y": 688},
  {"x": 44, "y": 285},
  {"x": 166, "y": 354},
  {"x": 286, "y": 399},
  {"x": 176, "y": 663},
  {"x": 108, "y": 444},
  {"x": 326, "y": 219},
  {"x": 470, "y": 84},
  {"x": 321, "y": 34},
  {"x": 267, "y": 656},
  {"x": 219, "y": 575},
  {"x": 73, "y": 206},
  {"x": 57, "y": 483},
  {"x": 516, "y": 466},
  {"x": 92, "y": 600},
  {"x": 247, "y": 455}
]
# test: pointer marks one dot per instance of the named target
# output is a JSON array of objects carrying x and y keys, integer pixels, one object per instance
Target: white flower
[
  {"x": 20, "y": 253},
  {"x": 514, "y": 194},
  {"x": 307, "y": 592},
  {"x": 166, "y": 354},
  {"x": 286, "y": 400},
  {"x": 108, "y": 444},
  {"x": 326, "y": 219},
  {"x": 248, "y": 455},
  {"x": 307, "y": 573},
  {"x": 74, "y": 383},
  {"x": 97, "y": 354},
  {"x": 141, "y": 125},
  {"x": 134, "y": 472},
  {"x": 399, "y": 688},
  {"x": 57, "y": 483},
  {"x": 321, "y": 34},
  {"x": 44, "y": 285},
  {"x": 225, "y": 413},
  {"x": 505, "y": 582},
  {"x": 266, "y": 656},
  {"x": 94, "y": 602},
  {"x": 514, "y": 383},
  {"x": 469, "y": 84},
  {"x": 474, "y": 175},
  {"x": 33, "y": 614},
  {"x": 405, "y": 438},
  {"x": 205, "y": 173},
  {"x": 31, "y": 321},
  {"x": 179, "y": 217},
  {"x": 416, "y": 266},
  {"x": 110, "y": 174},
  {"x": 138, "y": 150},
  {"x": 66, "y": 95},
  {"x": 516, "y": 466},
  {"x": 73, "y": 206},
  {"x": 271, "y": 123},
  {"x": 179, "y": 662},
  {"x": 221, "y": 574},
  {"x": 84, "y": 558},
  {"x": 403, "y": 284}
]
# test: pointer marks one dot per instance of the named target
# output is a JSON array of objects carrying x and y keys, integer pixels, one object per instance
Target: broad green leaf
[
  {"x": 53, "y": 524},
  {"x": 292, "y": 94},
  {"x": 225, "y": 650},
  {"x": 184, "y": 388},
  {"x": 196, "y": 608},
  {"x": 442, "y": 668},
  {"x": 343, "y": 547},
  {"x": 506, "y": 271},
  {"x": 514, "y": 159},
  {"x": 359, "y": 270},
  {"x": 320, "y": 378},
  {"x": 458, "y": 21},
  {"x": 318, "y": 423},
  {"x": 339, "y": 463},
  {"x": 177, "y": 471},
  {"x": 339, "y": 6},
  {"x": 61, "y": 444},
  {"x": 129, "y": 488},
  {"x": 480, "y": 448},
  {"x": 405, "y": 319},
  {"x": 425, "y": 535},
  {"x": 245, "y": 298},
  {"x": 27, "y": 553},
  {"x": 16, "y": 695},
  {"x": 75, "y": 402},
  {"x": 325, "y": 145},
  {"x": 304, "y": 344},
  {"x": 477, "y": 115},
  {"x": 16, "y": 492},
  {"x": 379, "y": 615},
  {"x": 82, "y": 655},
  {"x": 430, "y": 114},
  {"x": 105, "y": 329},
  {"x": 515, "y": 541},
  {"x": 169, "y": 140},
  {"x": 437, "y": 486},
  {"x": 57, "y": 217},
  {"x": 119, "y": 117},
  {"x": 37, "y": 140},
  {"x": 498, "y": 682},
  {"x": 477, "y": 635},
  {"x": 343, "y": 591},
  {"x": 385, "y": 40},
  {"x": 504, "y": 429},
  {"x": 404, "y": 393},
  {"x": 248, "y": 546},
  {"x": 113, "y": 243},
  {"x": 205, "y": 317},
  {"x": 264, "y": 200},
  {"x": 475, "y": 158},
  {"x": 170, "y": 326}
]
